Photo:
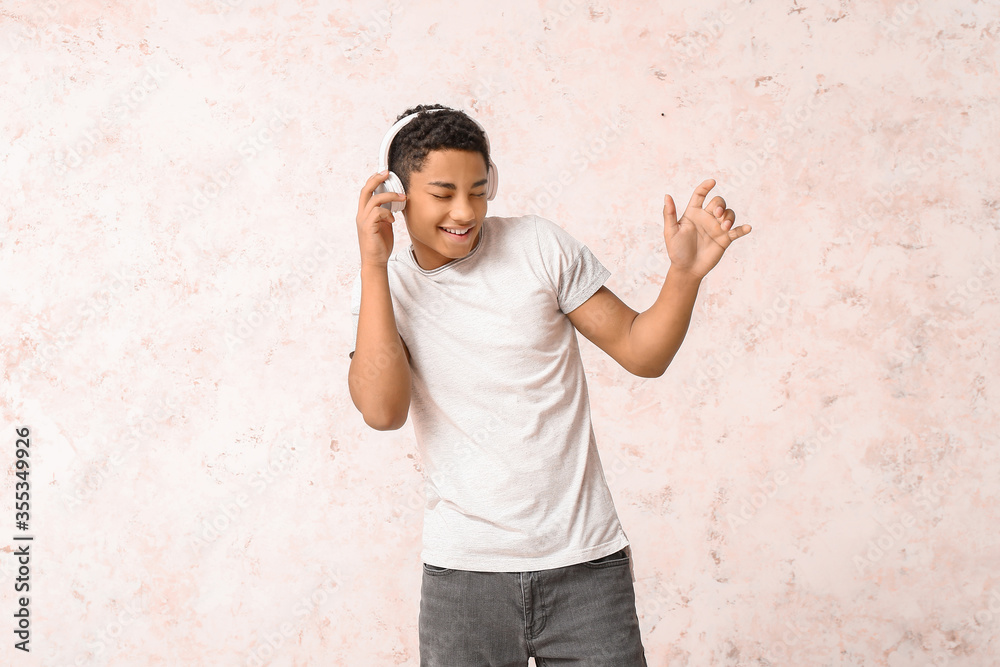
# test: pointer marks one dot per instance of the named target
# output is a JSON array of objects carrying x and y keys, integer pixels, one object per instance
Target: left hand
[{"x": 696, "y": 243}]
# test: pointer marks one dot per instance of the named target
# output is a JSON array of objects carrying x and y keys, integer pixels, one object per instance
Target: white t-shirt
[{"x": 499, "y": 401}]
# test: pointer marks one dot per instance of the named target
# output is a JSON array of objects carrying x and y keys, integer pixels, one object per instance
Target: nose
[{"x": 462, "y": 211}]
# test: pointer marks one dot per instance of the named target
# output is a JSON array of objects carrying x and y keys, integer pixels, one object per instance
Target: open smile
[{"x": 459, "y": 235}]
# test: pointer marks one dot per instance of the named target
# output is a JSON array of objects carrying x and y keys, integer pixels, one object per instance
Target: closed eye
[{"x": 481, "y": 194}]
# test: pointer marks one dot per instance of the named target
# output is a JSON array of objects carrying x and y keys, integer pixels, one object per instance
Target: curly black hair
[{"x": 449, "y": 129}]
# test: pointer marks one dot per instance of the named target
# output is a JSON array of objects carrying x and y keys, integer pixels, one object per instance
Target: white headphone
[{"x": 392, "y": 182}]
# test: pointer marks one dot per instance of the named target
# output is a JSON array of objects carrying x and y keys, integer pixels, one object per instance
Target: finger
[
  {"x": 369, "y": 187},
  {"x": 375, "y": 224},
  {"x": 717, "y": 203},
  {"x": 707, "y": 224},
  {"x": 700, "y": 192},
  {"x": 669, "y": 215},
  {"x": 712, "y": 228},
  {"x": 742, "y": 230},
  {"x": 382, "y": 198},
  {"x": 729, "y": 215}
]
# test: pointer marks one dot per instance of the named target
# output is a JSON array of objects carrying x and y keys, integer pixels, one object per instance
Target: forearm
[
  {"x": 658, "y": 332},
  {"x": 379, "y": 376}
]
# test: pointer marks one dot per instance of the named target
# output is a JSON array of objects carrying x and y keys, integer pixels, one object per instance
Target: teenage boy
[{"x": 474, "y": 327}]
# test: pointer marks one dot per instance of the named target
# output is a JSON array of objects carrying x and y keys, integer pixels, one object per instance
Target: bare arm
[
  {"x": 379, "y": 377},
  {"x": 645, "y": 343},
  {"x": 657, "y": 333}
]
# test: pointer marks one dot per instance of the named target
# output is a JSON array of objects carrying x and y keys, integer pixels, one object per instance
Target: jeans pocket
[
  {"x": 435, "y": 570},
  {"x": 611, "y": 560}
]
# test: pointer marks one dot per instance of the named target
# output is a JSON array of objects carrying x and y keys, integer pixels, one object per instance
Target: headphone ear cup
[
  {"x": 394, "y": 185},
  {"x": 492, "y": 183}
]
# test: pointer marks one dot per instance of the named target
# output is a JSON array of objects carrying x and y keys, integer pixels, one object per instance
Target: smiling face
[{"x": 449, "y": 192}]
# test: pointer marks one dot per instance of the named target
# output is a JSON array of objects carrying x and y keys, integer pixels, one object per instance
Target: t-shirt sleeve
[
  {"x": 573, "y": 270},
  {"x": 355, "y": 311}
]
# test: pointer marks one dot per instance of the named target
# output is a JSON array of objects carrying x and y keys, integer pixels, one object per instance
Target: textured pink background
[{"x": 812, "y": 482}]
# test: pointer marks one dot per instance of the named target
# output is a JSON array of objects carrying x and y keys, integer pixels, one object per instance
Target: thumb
[{"x": 670, "y": 225}]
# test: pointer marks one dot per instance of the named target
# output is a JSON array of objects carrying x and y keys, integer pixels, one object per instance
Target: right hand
[{"x": 375, "y": 223}]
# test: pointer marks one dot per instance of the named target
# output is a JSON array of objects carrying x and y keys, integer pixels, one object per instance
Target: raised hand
[
  {"x": 697, "y": 241},
  {"x": 375, "y": 236}
]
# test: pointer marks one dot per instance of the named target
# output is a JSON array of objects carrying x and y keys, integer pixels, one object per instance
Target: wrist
[{"x": 683, "y": 275}]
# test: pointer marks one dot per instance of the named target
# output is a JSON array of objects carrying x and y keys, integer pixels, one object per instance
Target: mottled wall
[{"x": 812, "y": 482}]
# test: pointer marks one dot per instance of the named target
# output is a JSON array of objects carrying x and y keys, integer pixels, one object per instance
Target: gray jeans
[{"x": 581, "y": 615}]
